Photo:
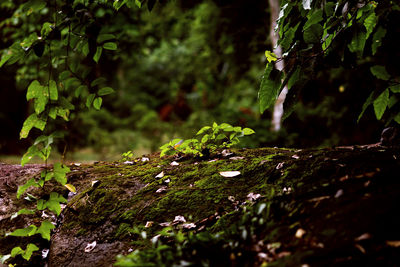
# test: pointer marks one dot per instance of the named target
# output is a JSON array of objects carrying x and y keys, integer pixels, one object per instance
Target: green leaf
[
  {"x": 46, "y": 29},
  {"x": 85, "y": 49},
  {"x": 377, "y": 39},
  {"x": 32, "y": 121},
  {"x": 286, "y": 41},
  {"x": 365, "y": 105},
  {"x": 270, "y": 56},
  {"x": 294, "y": 77},
  {"x": 24, "y": 187},
  {"x": 381, "y": 103},
  {"x": 41, "y": 204},
  {"x": 397, "y": 118},
  {"x": 32, "y": 151},
  {"x": 395, "y": 88},
  {"x": 105, "y": 91},
  {"x": 80, "y": 89},
  {"x": 313, "y": 34},
  {"x": 64, "y": 75},
  {"x": 89, "y": 100},
  {"x": 269, "y": 88},
  {"x": 97, "y": 81},
  {"x": 45, "y": 229},
  {"x": 34, "y": 90},
  {"x": 41, "y": 102},
  {"x": 28, "y": 231},
  {"x": 110, "y": 46},
  {"x": 33, "y": 6},
  {"x": 380, "y": 72},
  {"x": 5, "y": 58},
  {"x": 97, "y": 55},
  {"x": 138, "y": 3},
  {"x": 22, "y": 212},
  {"x": 64, "y": 102},
  {"x": 105, "y": 37},
  {"x": 370, "y": 23},
  {"x": 357, "y": 44},
  {"x": 16, "y": 251},
  {"x": 203, "y": 130},
  {"x": 30, "y": 248},
  {"x": 315, "y": 18},
  {"x": 60, "y": 172},
  {"x": 248, "y": 131},
  {"x": 97, "y": 103},
  {"x": 53, "y": 90}
]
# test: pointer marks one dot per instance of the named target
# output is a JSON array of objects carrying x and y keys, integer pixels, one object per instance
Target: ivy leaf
[
  {"x": 60, "y": 172},
  {"x": 313, "y": 34},
  {"x": 97, "y": 103},
  {"x": 30, "y": 248},
  {"x": 269, "y": 88},
  {"x": 45, "y": 229},
  {"x": 24, "y": 187},
  {"x": 381, "y": 103},
  {"x": 110, "y": 46},
  {"x": 22, "y": 212},
  {"x": 28, "y": 231},
  {"x": 380, "y": 72},
  {"x": 270, "y": 56},
  {"x": 105, "y": 91},
  {"x": 97, "y": 55},
  {"x": 32, "y": 121},
  {"x": 53, "y": 90}
]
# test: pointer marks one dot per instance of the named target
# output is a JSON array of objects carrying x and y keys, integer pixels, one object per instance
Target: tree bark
[{"x": 274, "y": 35}]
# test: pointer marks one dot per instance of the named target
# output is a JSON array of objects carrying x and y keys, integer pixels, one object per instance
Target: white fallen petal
[
  {"x": 230, "y": 173},
  {"x": 165, "y": 224},
  {"x": 160, "y": 175},
  {"x": 174, "y": 163},
  {"x": 231, "y": 198},
  {"x": 128, "y": 162},
  {"x": 188, "y": 226},
  {"x": 161, "y": 189},
  {"x": 295, "y": 157},
  {"x": 90, "y": 246},
  {"x": 45, "y": 252},
  {"x": 236, "y": 158},
  {"x": 167, "y": 181},
  {"x": 252, "y": 197},
  {"x": 179, "y": 219},
  {"x": 280, "y": 165},
  {"x": 77, "y": 164},
  {"x": 94, "y": 182},
  {"x": 300, "y": 233},
  {"x": 213, "y": 160},
  {"x": 226, "y": 153},
  {"x": 144, "y": 159}
]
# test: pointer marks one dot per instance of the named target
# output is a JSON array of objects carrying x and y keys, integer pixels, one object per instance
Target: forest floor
[{"x": 326, "y": 207}]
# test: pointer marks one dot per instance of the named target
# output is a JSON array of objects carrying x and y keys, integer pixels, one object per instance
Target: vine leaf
[
  {"x": 24, "y": 187},
  {"x": 377, "y": 39},
  {"x": 60, "y": 172},
  {"x": 45, "y": 229},
  {"x": 97, "y": 103},
  {"x": 28, "y": 231},
  {"x": 381, "y": 103},
  {"x": 53, "y": 90}
]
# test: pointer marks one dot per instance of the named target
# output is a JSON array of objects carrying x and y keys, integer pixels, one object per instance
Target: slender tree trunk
[{"x": 278, "y": 107}]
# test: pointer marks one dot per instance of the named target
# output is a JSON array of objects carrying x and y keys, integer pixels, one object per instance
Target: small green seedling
[
  {"x": 127, "y": 155},
  {"x": 207, "y": 140}
]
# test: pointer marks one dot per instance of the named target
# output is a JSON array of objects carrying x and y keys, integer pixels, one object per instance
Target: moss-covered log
[{"x": 325, "y": 206}]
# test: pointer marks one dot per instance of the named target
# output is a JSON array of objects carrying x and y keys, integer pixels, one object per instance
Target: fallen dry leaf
[{"x": 149, "y": 224}]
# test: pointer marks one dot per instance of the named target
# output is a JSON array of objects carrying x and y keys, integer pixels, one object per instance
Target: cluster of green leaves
[
  {"x": 208, "y": 139},
  {"x": 176, "y": 248},
  {"x": 337, "y": 33},
  {"x": 127, "y": 155}
]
